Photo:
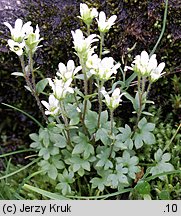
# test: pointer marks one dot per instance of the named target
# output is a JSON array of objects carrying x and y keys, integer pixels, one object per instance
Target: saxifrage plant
[{"x": 82, "y": 148}]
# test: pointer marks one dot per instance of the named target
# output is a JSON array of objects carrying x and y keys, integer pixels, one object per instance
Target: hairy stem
[
  {"x": 100, "y": 85},
  {"x": 29, "y": 84},
  {"x": 65, "y": 119},
  {"x": 101, "y": 44}
]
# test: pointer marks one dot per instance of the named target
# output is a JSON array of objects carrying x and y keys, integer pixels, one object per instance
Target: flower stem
[
  {"x": 112, "y": 127},
  {"x": 85, "y": 85},
  {"x": 64, "y": 116},
  {"x": 81, "y": 118},
  {"x": 29, "y": 84},
  {"x": 112, "y": 120},
  {"x": 101, "y": 44},
  {"x": 140, "y": 102},
  {"x": 100, "y": 85}
]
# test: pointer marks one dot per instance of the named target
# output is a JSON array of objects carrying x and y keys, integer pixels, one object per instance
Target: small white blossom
[
  {"x": 19, "y": 31},
  {"x": 83, "y": 45},
  {"x": 69, "y": 71},
  {"x": 33, "y": 39},
  {"x": 157, "y": 72},
  {"x": 147, "y": 66},
  {"x": 103, "y": 69},
  {"x": 87, "y": 14},
  {"x": 60, "y": 88},
  {"x": 52, "y": 107},
  {"x": 103, "y": 24},
  {"x": 16, "y": 47},
  {"x": 113, "y": 101},
  {"x": 93, "y": 62}
]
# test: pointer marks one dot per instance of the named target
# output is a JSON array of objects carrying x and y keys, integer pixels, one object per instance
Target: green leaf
[
  {"x": 160, "y": 168},
  {"x": 102, "y": 134},
  {"x": 46, "y": 140},
  {"x": 52, "y": 196},
  {"x": 40, "y": 86},
  {"x": 148, "y": 127},
  {"x": 36, "y": 145},
  {"x": 125, "y": 132},
  {"x": 91, "y": 121},
  {"x": 148, "y": 138},
  {"x": 52, "y": 172},
  {"x": 104, "y": 117},
  {"x": 147, "y": 113},
  {"x": 142, "y": 123},
  {"x": 78, "y": 149},
  {"x": 138, "y": 141},
  {"x": 34, "y": 137},
  {"x": 143, "y": 187},
  {"x": 57, "y": 162},
  {"x": 98, "y": 182},
  {"x": 45, "y": 153},
  {"x": 57, "y": 139},
  {"x": 54, "y": 151},
  {"x": 64, "y": 187},
  {"x": 158, "y": 155},
  {"x": 74, "y": 121},
  {"x": 164, "y": 195},
  {"x": 166, "y": 157},
  {"x": 104, "y": 159}
]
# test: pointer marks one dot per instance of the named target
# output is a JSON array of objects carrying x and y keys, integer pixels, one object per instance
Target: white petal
[
  {"x": 112, "y": 19},
  {"x": 77, "y": 69},
  {"x": 160, "y": 67},
  {"x": 52, "y": 99},
  {"x": 116, "y": 92},
  {"x": 70, "y": 65},
  {"x": 8, "y": 25},
  {"x": 45, "y": 104},
  {"x": 94, "y": 12},
  {"x": 102, "y": 17},
  {"x": 18, "y": 25},
  {"x": 62, "y": 68},
  {"x": 11, "y": 43},
  {"x": 152, "y": 63},
  {"x": 27, "y": 27},
  {"x": 69, "y": 89},
  {"x": 144, "y": 58}
]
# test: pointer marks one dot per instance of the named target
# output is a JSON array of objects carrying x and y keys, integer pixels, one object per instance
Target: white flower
[
  {"x": 69, "y": 71},
  {"x": 104, "y": 68},
  {"x": 103, "y": 24},
  {"x": 156, "y": 74},
  {"x": 16, "y": 47},
  {"x": 52, "y": 107},
  {"x": 147, "y": 66},
  {"x": 87, "y": 14},
  {"x": 81, "y": 44},
  {"x": 19, "y": 31},
  {"x": 93, "y": 62},
  {"x": 33, "y": 39},
  {"x": 113, "y": 101},
  {"x": 60, "y": 88}
]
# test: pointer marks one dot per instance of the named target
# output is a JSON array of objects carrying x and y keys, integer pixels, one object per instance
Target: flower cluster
[
  {"x": 52, "y": 107},
  {"x": 113, "y": 101},
  {"x": 82, "y": 45},
  {"x": 103, "y": 24},
  {"x": 87, "y": 14},
  {"x": 23, "y": 37},
  {"x": 147, "y": 66},
  {"x": 102, "y": 69},
  {"x": 68, "y": 72},
  {"x": 61, "y": 86}
]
